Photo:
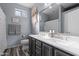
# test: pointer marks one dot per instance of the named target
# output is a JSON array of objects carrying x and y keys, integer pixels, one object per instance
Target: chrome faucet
[{"x": 51, "y": 33}]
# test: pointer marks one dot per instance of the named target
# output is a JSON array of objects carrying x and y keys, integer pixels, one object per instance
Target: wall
[
  {"x": 51, "y": 25},
  {"x": 71, "y": 21},
  {"x": 9, "y": 10},
  {"x": 2, "y": 32}
]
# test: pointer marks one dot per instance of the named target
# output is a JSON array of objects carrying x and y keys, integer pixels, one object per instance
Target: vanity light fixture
[{"x": 46, "y": 4}]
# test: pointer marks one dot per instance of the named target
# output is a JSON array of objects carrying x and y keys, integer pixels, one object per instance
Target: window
[
  {"x": 24, "y": 14},
  {"x": 20, "y": 12},
  {"x": 17, "y": 13}
]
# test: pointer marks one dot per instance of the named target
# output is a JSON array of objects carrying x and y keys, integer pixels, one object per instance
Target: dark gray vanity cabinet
[
  {"x": 47, "y": 50},
  {"x": 39, "y": 48},
  {"x": 61, "y": 53},
  {"x": 32, "y": 46}
]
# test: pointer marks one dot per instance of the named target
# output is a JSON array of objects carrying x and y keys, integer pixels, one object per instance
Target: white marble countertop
[{"x": 71, "y": 45}]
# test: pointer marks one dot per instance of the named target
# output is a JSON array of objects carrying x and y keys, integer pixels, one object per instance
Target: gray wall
[
  {"x": 71, "y": 21},
  {"x": 52, "y": 25},
  {"x": 9, "y": 10}
]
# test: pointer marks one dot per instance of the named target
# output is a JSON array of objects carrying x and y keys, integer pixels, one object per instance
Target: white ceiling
[{"x": 30, "y": 5}]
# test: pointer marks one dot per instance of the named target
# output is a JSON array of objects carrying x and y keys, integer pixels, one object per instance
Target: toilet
[{"x": 25, "y": 45}]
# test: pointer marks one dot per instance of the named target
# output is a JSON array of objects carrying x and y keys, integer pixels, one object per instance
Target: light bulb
[{"x": 46, "y": 4}]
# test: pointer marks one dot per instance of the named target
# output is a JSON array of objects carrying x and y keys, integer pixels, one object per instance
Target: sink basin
[
  {"x": 65, "y": 42},
  {"x": 60, "y": 39}
]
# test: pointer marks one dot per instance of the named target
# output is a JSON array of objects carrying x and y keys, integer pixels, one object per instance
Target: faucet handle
[
  {"x": 53, "y": 31},
  {"x": 50, "y": 31}
]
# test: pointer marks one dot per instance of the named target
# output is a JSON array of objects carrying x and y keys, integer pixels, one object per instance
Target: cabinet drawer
[
  {"x": 38, "y": 48},
  {"x": 38, "y": 51},
  {"x": 33, "y": 41},
  {"x": 46, "y": 50},
  {"x": 60, "y": 53},
  {"x": 38, "y": 43}
]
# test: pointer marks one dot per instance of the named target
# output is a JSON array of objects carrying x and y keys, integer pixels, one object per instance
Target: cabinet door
[
  {"x": 60, "y": 53},
  {"x": 38, "y": 51},
  {"x": 38, "y": 48},
  {"x": 47, "y": 50},
  {"x": 32, "y": 46}
]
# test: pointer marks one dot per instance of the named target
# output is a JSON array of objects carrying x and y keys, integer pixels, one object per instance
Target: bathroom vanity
[{"x": 40, "y": 45}]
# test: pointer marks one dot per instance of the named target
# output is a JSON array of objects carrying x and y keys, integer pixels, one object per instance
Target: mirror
[
  {"x": 49, "y": 18},
  {"x": 63, "y": 18}
]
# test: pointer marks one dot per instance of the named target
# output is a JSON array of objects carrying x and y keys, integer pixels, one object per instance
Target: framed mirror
[{"x": 63, "y": 18}]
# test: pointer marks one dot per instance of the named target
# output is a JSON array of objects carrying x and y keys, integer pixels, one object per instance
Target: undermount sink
[
  {"x": 66, "y": 42},
  {"x": 59, "y": 39},
  {"x": 63, "y": 40}
]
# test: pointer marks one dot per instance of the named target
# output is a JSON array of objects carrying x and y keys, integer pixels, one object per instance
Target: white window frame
[{"x": 20, "y": 12}]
